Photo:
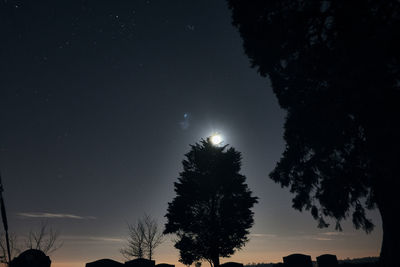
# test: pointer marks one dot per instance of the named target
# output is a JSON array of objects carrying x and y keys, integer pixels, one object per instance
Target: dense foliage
[
  {"x": 334, "y": 66},
  {"x": 211, "y": 213}
]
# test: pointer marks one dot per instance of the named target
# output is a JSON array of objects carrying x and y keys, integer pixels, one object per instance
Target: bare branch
[
  {"x": 153, "y": 237},
  {"x": 143, "y": 238},
  {"x": 46, "y": 239},
  {"x": 13, "y": 247},
  {"x": 135, "y": 244}
]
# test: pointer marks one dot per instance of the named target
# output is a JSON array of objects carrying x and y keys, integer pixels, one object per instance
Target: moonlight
[{"x": 216, "y": 139}]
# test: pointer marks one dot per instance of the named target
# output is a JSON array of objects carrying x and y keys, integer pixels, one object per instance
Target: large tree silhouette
[
  {"x": 334, "y": 66},
  {"x": 211, "y": 213}
]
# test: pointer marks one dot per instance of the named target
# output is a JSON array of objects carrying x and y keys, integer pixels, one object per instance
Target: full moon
[{"x": 216, "y": 139}]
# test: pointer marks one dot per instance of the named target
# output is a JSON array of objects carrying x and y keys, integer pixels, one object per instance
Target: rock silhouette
[
  {"x": 31, "y": 258},
  {"x": 165, "y": 265},
  {"x": 140, "y": 263},
  {"x": 297, "y": 260},
  {"x": 327, "y": 260},
  {"x": 232, "y": 264},
  {"x": 104, "y": 263}
]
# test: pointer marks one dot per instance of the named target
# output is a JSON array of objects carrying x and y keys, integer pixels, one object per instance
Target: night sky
[{"x": 99, "y": 101}]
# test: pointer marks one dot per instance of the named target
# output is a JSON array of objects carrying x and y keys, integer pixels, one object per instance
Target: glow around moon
[{"x": 216, "y": 139}]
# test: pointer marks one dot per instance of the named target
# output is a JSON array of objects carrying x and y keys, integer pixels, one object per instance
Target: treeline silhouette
[{"x": 357, "y": 262}]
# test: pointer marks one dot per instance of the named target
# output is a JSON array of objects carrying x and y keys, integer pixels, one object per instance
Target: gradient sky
[{"x": 99, "y": 101}]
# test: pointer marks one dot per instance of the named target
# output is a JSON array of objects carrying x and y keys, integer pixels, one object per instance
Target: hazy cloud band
[
  {"x": 53, "y": 215},
  {"x": 93, "y": 239}
]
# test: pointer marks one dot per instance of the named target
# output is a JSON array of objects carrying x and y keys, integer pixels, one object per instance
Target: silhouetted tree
[
  {"x": 144, "y": 237},
  {"x": 188, "y": 251},
  {"x": 135, "y": 244},
  {"x": 211, "y": 213},
  {"x": 153, "y": 236},
  {"x": 45, "y": 238},
  {"x": 334, "y": 66},
  {"x": 14, "y": 250}
]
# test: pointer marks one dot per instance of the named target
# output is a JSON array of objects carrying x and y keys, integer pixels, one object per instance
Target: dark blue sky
[{"x": 93, "y": 97}]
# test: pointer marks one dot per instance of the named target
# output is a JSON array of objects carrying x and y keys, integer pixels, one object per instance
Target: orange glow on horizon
[{"x": 247, "y": 258}]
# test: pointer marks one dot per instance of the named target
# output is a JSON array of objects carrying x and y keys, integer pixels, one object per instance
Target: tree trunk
[
  {"x": 150, "y": 253},
  {"x": 215, "y": 261},
  {"x": 391, "y": 232}
]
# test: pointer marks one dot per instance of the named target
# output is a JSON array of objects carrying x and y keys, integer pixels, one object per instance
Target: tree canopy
[
  {"x": 334, "y": 66},
  {"x": 211, "y": 213}
]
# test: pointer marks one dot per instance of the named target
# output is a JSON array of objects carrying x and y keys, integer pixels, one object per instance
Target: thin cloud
[
  {"x": 93, "y": 239},
  {"x": 331, "y": 234},
  {"x": 54, "y": 215},
  {"x": 263, "y": 235},
  {"x": 312, "y": 237},
  {"x": 318, "y": 237},
  {"x": 327, "y": 236},
  {"x": 322, "y": 238}
]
